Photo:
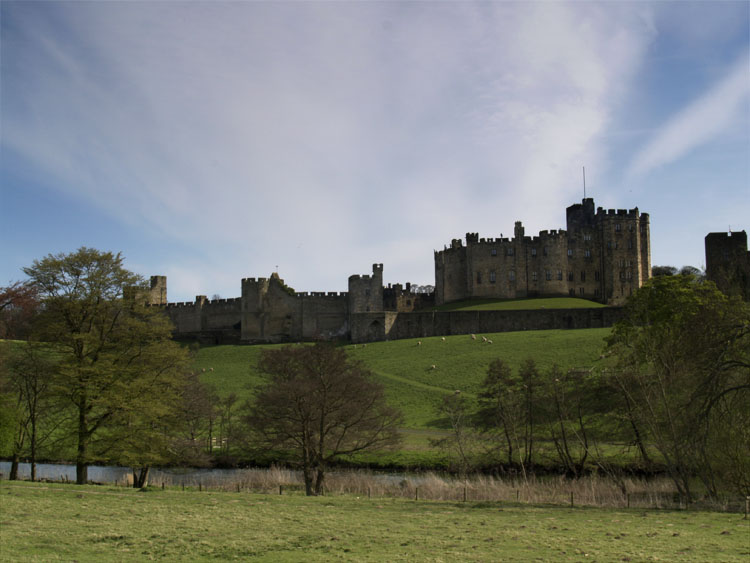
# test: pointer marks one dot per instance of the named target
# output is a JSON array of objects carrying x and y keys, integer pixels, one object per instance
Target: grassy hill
[
  {"x": 405, "y": 367},
  {"x": 519, "y": 304}
]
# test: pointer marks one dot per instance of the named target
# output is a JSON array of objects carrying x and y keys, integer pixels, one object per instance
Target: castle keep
[
  {"x": 728, "y": 262},
  {"x": 602, "y": 256}
]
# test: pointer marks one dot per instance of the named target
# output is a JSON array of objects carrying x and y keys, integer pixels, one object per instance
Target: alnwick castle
[{"x": 603, "y": 255}]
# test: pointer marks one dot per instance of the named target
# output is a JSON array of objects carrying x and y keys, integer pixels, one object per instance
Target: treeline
[
  {"x": 675, "y": 387},
  {"x": 93, "y": 375}
]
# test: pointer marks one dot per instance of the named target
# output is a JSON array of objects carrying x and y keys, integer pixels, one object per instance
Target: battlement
[{"x": 630, "y": 213}]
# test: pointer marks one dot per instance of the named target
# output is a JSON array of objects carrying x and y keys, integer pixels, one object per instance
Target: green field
[
  {"x": 405, "y": 366},
  {"x": 519, "y": 304},
  {"x": 43, "y": 522}
]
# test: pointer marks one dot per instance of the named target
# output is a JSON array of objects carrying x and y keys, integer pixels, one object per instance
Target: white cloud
[
  {"x": 319, "y": 136},
  {"x": 714, "y": 113}
]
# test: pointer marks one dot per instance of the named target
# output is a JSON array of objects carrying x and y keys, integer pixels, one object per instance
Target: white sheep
[
  {"x": 419, "y": 342},
  {"x": 473, "y": 336},
  {"x": 489, "y": 341},
  {"x": 484, "y": 339},
  {"x": 443, "y": 339},
  {"x": 434, "y": 366}
]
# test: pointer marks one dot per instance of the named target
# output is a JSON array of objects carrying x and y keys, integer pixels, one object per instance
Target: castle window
[
  {"x": 559, "y": 274},
  {"x": 512, "y": 275},
  {"x": 596, "y": 292},
  {"x": 609, "y": 244},
  {"x": 548, "y": 274},
  {"x": 479, "y": 277},
  {"x": 572, "y": 292},
  {"x": 493, "y": 252},
  {"x": 618, "y": 227},
  {"x": 630, "y": 227},
  {"x": 571, "y": 276},
  {"x": 587, "y": 237},
  {"x": 533, "y": 252},
  {"x": 587, "y": 253},
  {"x": 629, "y": 275},
  {"x": 570, "y": 253},
  {"x": 492, "y": 276},
  {"x": 596, "y": 275},
  {"x": 510, "y": 251},
  {"x": 583, "y": 276},
  {"x": 544, "y": 251},
  {"x": 580, "y": 290},
  {"x": 630, "y": 244},
  {"x": 533, "y": 276}
]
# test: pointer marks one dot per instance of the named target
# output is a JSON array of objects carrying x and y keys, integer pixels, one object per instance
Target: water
[{"x": 114, "y": 474}]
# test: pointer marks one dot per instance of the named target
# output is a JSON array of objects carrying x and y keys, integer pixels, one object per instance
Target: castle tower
[
  {"x": 158, "y": 293},
  {"x": 728, "y": 262},
  {"x": 366, "y": 292}
]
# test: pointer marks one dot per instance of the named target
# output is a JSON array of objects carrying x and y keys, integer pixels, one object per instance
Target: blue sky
[{"x": 214, "y": 141}]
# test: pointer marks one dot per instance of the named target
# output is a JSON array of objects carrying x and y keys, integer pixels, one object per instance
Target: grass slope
[
  {"x": 84, "y": 523},
  {"x": 519, "y": 304},
  {"x": 405, "y": 367}
]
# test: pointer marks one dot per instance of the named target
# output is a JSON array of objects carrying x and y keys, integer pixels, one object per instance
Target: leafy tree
[
  {"x": 18, "y": 305},
  {"x": 116, "y": 354},
  {"x": 683, "y": 366},
  {"x": 564, "y": 395},
  {"x": 510, "y": 403},
  {"x": 28, "y": 376},
  {"x": 657, "y": 271},
  {"x": 463, "y": 441},
  {"x": 318, "y": 404}
]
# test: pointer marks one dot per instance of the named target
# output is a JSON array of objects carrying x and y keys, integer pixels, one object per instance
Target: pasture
[
  {"x": 52, "y": 522},
  {"x": 405, "y": 367}
]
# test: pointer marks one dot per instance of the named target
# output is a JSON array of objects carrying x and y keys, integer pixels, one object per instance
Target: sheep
[
  {"x": 433, "y": 366},
  {"x": 473, "y": 336},
  {"x": 484, "y": 339},
  {"x": 489, "y": 341},
  {"x": 210, "y": 369},
  {"x": 443, "y": 339},
  {"x": 457, "y": 392},
  {"x": 419, "y": 342},
  {"x": 203, "y": 370}
]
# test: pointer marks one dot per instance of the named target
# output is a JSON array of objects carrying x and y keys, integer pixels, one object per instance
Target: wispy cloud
[
  {"x": 712, "y": 114},
  {"x": 317, "y": 137}
]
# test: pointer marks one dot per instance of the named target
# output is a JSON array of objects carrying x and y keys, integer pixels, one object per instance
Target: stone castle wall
[
  {"x": 395, "y": 326},
  {"x": 603, "y": 255}
]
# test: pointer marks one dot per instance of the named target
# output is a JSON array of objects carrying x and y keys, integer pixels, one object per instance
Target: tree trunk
[
  {"x": 140, "y": 477},
  {"x": 82, "y": 466},
  {"x": 14, "y": 468},
  {"x": 319, "y": 481}
]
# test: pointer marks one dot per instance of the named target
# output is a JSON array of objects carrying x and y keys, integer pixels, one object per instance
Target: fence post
[
  {"x": 464, "y": 493},
  {"x": 200, "y": 486},
  {"x": 571, "y": 499},
  {"x": 518, "y": 495},
  {"x": 368, "y": 492},
  {"x": 162, "y": 485},
  {"x": 281, "y": 489},
  {"x": 747, "y": 507},
  {"x": 628, "y": 500},
  {"x": 416, "y": 493},
  {"x": 238, "y": 487},
  {"x": 183, "y": 485}
]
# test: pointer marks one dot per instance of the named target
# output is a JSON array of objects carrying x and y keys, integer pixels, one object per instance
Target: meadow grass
[
  {"x": 519, "y": 304},
  {"x": 43, "y": 522},
  {"x": 405, "y": 366}
]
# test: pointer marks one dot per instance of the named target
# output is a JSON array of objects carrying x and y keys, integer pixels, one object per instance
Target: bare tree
[{"x": 319, "y": 405}]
